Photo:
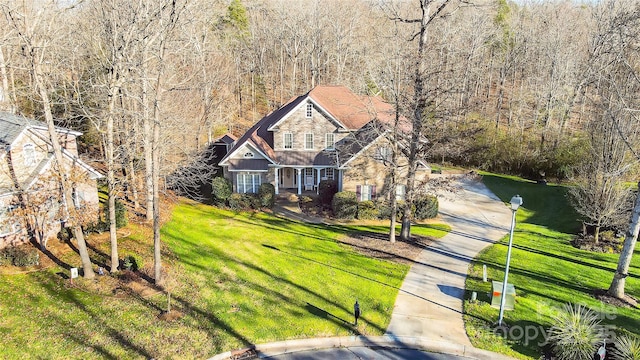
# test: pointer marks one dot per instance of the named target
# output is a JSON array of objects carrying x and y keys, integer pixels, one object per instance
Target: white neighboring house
[{"x": 26, "y": 174}]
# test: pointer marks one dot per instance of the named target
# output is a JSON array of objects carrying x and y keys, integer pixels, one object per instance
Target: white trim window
[
  {"x": 309, "y": 111},
  {"x": 365, "y": 192},
  {"x": 248, "y": 155},
  {"x": 329, "y": 173},
  {"x": 29, "y": 154},
  {"x": 287, "y": 140},
  {"x": 248, "y": 183},
  {"x": 400, "y": 192},
  {"x": 308, "y": 141},
  {"x": 8, "y": 224},
  {"x": 78, "y": 198},
  {"x": 329, "y": 141}
]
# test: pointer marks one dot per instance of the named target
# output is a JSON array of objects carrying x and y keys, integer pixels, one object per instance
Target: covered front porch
[{"x": 304, "y": 179}]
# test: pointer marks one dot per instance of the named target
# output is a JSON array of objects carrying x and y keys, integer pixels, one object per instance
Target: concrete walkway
[{"x": 429, "y": 304}]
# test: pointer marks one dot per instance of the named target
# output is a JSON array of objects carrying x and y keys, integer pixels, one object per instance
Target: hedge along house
[
  {"x": 328, "y": 133},
  {"x": 31, "y": 206}
]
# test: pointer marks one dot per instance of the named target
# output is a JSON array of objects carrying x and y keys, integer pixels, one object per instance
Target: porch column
[
  {"x": 339, "y": 174},
  {"x": 318, "y": 182},
  {"x": 277, "y": 181},
  {"x": 299, "y": 175}
]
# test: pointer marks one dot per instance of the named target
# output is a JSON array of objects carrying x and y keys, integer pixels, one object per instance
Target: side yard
[
  {"x": 547, "y": 272},
  {"x": 234, "y": 278}
]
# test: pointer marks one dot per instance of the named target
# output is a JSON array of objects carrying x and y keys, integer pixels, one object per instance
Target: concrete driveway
[{"x": 429, "y": 304}]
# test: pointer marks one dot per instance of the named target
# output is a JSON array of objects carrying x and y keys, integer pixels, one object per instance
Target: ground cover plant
[
  {"x": 547, "y": 271},
  {"x": 235, "y": 278}
]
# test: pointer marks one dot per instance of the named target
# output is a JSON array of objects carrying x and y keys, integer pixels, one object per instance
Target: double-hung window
[
  {"x": 288, "y": 141},
  {"x": 328, "y": 173},
  {"x": 8, "y": 224},
  {"x": 365, "y": 192},
  {"x": 308, "y": 141},
  {"x": 29, "y": 154},
  {"x": 248, "y": 183},
  {"x": 400, "y": 192},
  {"x": 329, "y": 141}
]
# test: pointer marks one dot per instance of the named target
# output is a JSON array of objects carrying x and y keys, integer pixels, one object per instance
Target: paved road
[
  {"x": 429, "y": 304},
  {"x": 359, "y": 353}
]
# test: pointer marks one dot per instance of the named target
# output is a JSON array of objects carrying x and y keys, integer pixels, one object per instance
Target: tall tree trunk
[
  {"x": 111, "y": 181},
  {"x": 420, "y": 104},
  {"x": 622, "y": 271},
  {"x": 65, "y": 184},
  {"x": 147, "y": 126}
]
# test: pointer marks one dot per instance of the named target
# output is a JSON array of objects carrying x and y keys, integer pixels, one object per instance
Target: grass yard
[
  {"x": 236, "y": 279},
  {"x": 547, "y": 272}
]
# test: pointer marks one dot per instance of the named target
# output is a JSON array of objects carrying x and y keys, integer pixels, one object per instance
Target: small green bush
[
  {"x": 627, "y": 347},
  {"x": 267, "y": 195},
  {"x": 367, "y": 210},
  {"x": 575, "y": 335},
  {"x": 221, "y": 191},
  {"x": 345, "y": 205},
  {"x": 425, "y": 207},
  {"x": 384, "y": 209},
  {"x": 132, "y": 263},
  {"x": 121, "y": 214},
  {"x": 251, "y": 201},
  {"x": 19, "y": 256},
  {"x": 326, "y": 190},
  {"x": 237, "y": 202}
]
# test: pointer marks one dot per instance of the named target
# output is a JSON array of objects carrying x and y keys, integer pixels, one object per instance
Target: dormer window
[
  {"x": 29, "y": 154},
  {"x": 309, "y": 110},
  {"x": 248, "y": 155}
]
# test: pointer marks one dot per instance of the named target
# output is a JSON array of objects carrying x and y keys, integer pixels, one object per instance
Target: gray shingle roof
[{"x": 11, "y": 126}]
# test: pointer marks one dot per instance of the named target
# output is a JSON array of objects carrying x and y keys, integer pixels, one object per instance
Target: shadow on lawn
[
  {"x": 363, "y": 277},
  {"x": 548, "y": 203},
  {"x": 327, "y": 315},
  {"x": 70, "y": 296}
]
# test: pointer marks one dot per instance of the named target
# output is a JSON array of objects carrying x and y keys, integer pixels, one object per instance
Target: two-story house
[
  {"x": 28, "y": 181},
  {"x": 328, "y": 133}
]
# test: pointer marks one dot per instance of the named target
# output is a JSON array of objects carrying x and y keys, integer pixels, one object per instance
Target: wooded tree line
[{"x": 531, "y": 88}]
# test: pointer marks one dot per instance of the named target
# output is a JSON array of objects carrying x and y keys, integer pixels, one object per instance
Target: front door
[{"x": 288, "y": 178}]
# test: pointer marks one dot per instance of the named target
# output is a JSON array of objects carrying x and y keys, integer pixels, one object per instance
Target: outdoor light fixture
[{"x": 516, "y": 201}]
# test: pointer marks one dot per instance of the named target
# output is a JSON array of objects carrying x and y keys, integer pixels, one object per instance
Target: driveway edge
[{"x": 292, "y": 346}]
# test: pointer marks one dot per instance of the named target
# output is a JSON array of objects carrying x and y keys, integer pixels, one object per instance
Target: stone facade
[{"x": 27, "y": 178}]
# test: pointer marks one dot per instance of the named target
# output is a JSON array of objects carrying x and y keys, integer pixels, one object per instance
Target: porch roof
[
  {"x": 306, "y": 158},
  {"x": 248, "y": 164}
]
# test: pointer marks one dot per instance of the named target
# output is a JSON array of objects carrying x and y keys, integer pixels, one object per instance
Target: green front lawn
[
  {"x": 236, "y": 278},
  {"x": 546, "y": 271}
]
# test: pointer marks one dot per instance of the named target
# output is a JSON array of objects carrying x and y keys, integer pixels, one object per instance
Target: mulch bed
[
  {"x": 601, "y": 294},
  {"x": 378, "y": 246}
]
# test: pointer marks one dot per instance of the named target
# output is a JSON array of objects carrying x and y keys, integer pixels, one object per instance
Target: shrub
[
  {"x": 132, "y": 263},
  {"x": 221, "y": 190},
  {"x": 251, "y": 201},
  {"x": 425, "y": 207},
  {"x": 19, "y": 256},
  {"x": 384, "y": 209},
  {"x": 345, "y": 205},
  {"x": 237, "y": 202},
  {"x": 267, "y": 195},
  {"x": 576, "y": 334},
  {"x": 367, "y": 210},
  {"x": 627, "y": 348},
  {"x": 121, "y": 214},
  {"x": 326, "y": 190}
]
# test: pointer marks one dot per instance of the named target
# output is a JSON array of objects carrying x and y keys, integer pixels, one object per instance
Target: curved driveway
[{"x": 429, "y": 304}]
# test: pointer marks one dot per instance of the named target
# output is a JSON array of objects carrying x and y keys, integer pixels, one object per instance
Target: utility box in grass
[{"x": 496, "y": 295}]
